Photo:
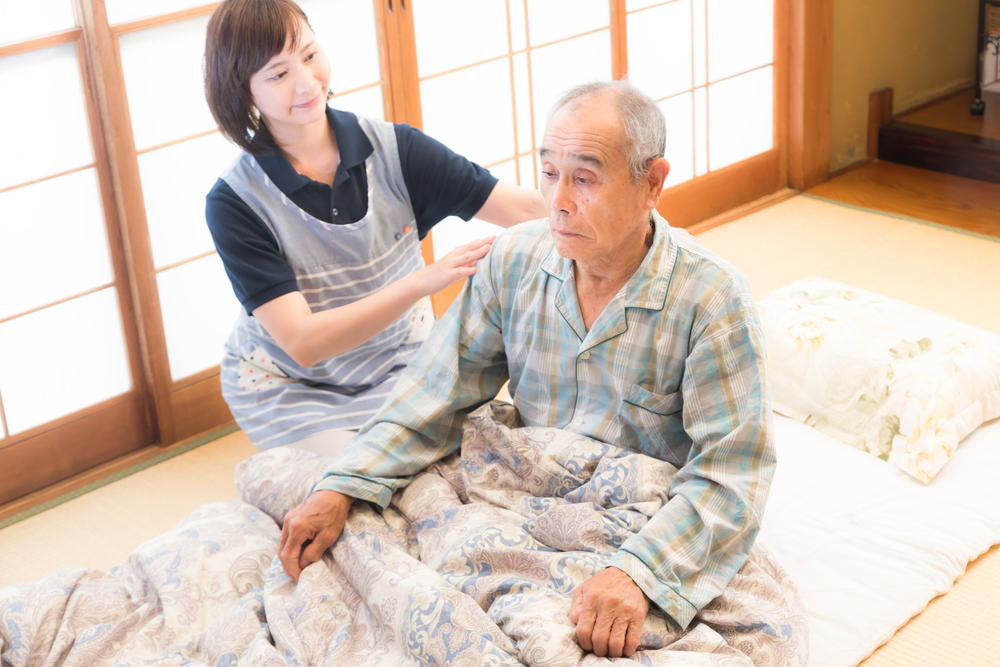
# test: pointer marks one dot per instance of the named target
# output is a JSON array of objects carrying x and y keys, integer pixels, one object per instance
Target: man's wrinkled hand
[
  {"x": 609, "y": 610},
  {"x": 310, "y": 529}
]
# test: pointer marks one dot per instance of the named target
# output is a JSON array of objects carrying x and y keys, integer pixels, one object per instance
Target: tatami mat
[
  {"x": 951, "y": 272},
  {"x": 99, "y": 529},
  {"x": 947, "y": 271},
  {"x": 958, "y": 629}
]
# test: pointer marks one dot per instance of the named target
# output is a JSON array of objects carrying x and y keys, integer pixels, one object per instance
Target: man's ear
[{"x": 655, "y": 176}]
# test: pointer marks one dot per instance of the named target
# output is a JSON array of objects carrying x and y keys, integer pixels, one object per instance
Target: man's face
[{"x": 595, "y": 210}]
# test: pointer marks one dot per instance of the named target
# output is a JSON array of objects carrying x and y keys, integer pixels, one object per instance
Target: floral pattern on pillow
[{"x": 900, "y": 382}]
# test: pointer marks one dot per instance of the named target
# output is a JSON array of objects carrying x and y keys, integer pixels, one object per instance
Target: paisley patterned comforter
[{"x": 472, "y": 564}]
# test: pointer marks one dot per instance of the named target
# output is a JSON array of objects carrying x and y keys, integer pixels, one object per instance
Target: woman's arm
[
  {"x": 510, "y": 204},
  {"x": 310, "y": 337}
]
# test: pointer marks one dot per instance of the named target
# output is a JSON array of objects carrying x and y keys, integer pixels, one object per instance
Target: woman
[{"x": 318, "y": 225}]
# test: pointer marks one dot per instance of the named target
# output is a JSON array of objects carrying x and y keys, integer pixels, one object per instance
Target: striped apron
[{"x": 275, "y": 400}]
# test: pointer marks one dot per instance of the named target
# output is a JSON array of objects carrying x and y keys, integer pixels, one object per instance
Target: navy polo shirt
[{"x": 440, "y": 182}]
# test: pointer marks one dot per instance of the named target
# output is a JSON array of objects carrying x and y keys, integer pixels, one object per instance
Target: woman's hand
[
  {"x": 309, "y": 338},
  {"x": 458, "y": 264}
]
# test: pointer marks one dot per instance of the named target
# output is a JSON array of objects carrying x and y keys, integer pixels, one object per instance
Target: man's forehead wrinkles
[
  {"x": 595, "y": 159},
  {"x": 581, "y": 136},
  {"x": 589, "y": 158},
  {"x": 594, "y": 151}
]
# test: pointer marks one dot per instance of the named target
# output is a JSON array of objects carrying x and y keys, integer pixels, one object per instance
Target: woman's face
[{"x": 290, "y": 90}]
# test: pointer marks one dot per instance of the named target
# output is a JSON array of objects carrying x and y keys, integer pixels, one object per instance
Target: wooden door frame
[
  {"x": 810, "y": 55},
  {"x": 803, "y": 82},
  {"x": 182, "y": 407},
  {"x": 128, "y": 212}
]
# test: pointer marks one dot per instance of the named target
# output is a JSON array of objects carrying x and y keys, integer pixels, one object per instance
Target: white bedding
[{"x": 867, "y": 545}]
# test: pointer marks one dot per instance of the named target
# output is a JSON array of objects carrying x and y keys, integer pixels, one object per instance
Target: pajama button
[
  {"x": 398, "y": 236},
  {"x": 335, "y": 212}
]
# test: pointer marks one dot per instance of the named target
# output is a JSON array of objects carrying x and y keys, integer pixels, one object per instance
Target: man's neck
[{"x": 599, "y": 280}]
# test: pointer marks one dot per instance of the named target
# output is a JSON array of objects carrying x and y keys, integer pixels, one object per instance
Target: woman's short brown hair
[{"x": 242, "y": 36}]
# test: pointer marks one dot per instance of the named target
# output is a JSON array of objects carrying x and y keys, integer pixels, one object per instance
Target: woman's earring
[{"x": 329, "y": 94}]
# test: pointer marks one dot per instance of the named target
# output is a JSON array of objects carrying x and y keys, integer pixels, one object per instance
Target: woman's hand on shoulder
[{"x": 457, "y": 265}]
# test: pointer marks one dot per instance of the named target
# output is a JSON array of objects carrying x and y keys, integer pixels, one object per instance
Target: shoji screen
[
  {"x": 489, "y": 72},
  {"x": 486, "y": 89},
  {"x": 70, "y": 383}
]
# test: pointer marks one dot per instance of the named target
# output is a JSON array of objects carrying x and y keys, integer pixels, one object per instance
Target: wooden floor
[
  {"x": 959, "y": 202},
  {"x": 952, "y": 114}
]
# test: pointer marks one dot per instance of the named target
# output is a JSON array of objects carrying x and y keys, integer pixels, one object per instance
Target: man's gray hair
[{"x": 642, "y": 120}]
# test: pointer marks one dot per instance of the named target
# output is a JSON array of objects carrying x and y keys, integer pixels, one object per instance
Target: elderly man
[{"x": 609, "y": 324}]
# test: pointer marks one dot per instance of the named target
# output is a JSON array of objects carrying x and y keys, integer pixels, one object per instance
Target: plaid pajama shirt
[{"x": 673, "y": 368}]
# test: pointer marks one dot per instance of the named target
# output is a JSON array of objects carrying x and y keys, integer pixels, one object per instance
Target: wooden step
[{"x": 940, "y": 150}]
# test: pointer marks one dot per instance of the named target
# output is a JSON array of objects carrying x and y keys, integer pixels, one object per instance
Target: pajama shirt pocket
[{"x": 653, "y": 424}]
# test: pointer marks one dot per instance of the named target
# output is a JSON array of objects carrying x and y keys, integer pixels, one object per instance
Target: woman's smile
[{"x": 309, "y": 104}]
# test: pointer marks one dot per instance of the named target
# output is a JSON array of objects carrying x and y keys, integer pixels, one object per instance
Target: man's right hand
[{"x": 310, "y": 529}]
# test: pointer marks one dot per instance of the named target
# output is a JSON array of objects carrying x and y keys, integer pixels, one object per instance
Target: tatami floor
[{"x": 799, "y": 236}]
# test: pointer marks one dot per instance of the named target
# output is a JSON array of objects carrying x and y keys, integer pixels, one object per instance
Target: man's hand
[
  {"x": 609, "y": 610},
  {"x": 310, "y": 529}
]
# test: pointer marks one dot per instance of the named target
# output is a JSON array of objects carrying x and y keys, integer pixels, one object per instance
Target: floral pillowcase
[{"x": 897, "y": 381}]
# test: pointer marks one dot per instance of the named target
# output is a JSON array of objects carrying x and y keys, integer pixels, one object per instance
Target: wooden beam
[
  {"x": 40, "y": 43},
  {"x": 127, "y": 211},
  {"x": 619, "y": 40},
  {"x": 164, "y": 19},
  {"x": 810, "y": 86},
  {"x": 62, "y": 448},
  {"x": 198, "y": 406},
  {"x": 718, "y": 191},
  {"x": 879, "y": 114}
]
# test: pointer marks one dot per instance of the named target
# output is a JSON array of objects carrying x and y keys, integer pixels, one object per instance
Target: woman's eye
[
  {"x": 278, "y": 76},
  {"x": 310, "y": 56},
  {"x": 548, "y": 174}
]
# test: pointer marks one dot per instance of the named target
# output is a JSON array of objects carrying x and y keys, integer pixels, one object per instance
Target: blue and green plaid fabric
[{"x": 673, "y": 368}]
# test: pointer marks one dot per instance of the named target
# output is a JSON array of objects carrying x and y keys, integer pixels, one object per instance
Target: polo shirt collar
[
  {"x": 352, "y": 143},
  {"x": 647, "y": 288}
]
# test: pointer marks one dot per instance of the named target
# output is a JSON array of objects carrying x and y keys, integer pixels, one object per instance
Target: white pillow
[{"x": 897, "y": 381}]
